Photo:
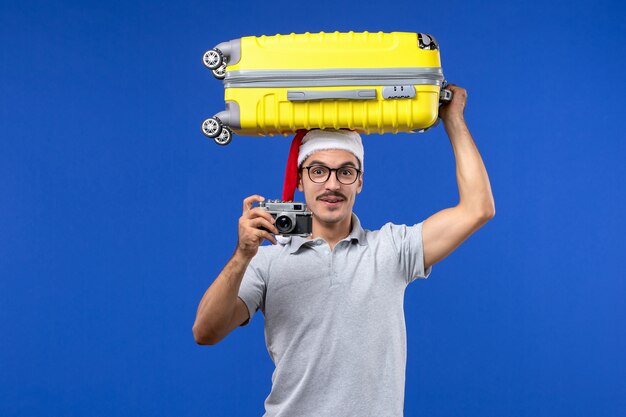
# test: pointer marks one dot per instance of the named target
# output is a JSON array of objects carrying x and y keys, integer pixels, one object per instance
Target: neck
[{"x": 332, "y": 232}]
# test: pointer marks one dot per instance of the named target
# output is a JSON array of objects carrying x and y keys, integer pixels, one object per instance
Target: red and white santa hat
[{"x": 305, "y": 143}]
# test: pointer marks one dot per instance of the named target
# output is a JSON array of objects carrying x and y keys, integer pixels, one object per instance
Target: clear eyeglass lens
[
  {"x": 318, "y": 173},
  {"x": 346, "y": 175}
]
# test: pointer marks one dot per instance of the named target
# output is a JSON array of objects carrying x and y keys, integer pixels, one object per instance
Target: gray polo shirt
[{"x": 334, "y": 320}]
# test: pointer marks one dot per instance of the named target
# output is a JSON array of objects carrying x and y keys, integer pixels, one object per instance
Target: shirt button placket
[
  {"x": 328, "y": 255},
  {"x": 331, "y": 268}
]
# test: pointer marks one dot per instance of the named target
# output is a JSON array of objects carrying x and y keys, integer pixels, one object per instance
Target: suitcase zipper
[{"x": 333, "y": 77}]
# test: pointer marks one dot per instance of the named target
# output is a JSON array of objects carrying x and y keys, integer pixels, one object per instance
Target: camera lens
[{"x": 284, "y": 224}]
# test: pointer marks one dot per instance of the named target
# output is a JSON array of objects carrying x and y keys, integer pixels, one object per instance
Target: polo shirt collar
[{"x": 356, "y": 234}]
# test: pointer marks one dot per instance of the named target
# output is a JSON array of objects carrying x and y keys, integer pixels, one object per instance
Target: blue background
[{"x": 116, "y": 213}]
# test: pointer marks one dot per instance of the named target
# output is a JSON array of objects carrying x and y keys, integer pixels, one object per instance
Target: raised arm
[
  {"x": 221, "y": 310},
  {"x": 445, "y": 230}
]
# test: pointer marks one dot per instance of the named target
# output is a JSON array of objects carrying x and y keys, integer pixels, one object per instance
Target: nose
[{"x": 332, "y": 183}]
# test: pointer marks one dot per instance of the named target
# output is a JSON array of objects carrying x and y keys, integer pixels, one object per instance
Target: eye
[
  {"x": 318, "y": 170},
  {"x": 346, "y": 172}
]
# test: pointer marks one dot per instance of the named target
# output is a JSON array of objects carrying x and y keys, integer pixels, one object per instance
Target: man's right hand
[{"x": 251, "y": 225}]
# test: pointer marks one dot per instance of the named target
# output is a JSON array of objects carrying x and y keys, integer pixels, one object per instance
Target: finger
[
  {"x": 456, "y": 89},
  {"x": 247, "y": 203},
  {"x": 259, "y": 212},
  {"x": 265, "y": 235},
  {"x": 261, "y": 222},
  {"x": 461, "y": 93}
]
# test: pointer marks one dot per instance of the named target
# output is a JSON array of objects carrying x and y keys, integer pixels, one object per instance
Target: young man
[{"x": 333, "y": 303}]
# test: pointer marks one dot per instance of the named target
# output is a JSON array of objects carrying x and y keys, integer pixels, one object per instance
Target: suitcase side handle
[
  {"x": 301, "y": 95},
  {"x": 445, "y": 96}
]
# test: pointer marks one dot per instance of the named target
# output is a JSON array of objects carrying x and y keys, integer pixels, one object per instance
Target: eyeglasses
[{"x": 320, "y": 174}]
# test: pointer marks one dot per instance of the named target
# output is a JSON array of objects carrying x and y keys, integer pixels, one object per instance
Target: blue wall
[{"x": 116, "y": 213}]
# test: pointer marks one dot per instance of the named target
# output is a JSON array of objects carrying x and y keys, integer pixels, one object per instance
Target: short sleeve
[
  {"x": 408, "y": 244},
  {"x": 253, "y": 285}
]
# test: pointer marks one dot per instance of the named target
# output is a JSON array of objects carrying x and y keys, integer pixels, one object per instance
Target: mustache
[{"x": 332, "y": 194}]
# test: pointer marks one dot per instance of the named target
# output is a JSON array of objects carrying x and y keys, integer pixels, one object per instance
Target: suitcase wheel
[
  {"x": 427, "y": 42},
  {"x": 213, "y": 58},
  {"x": 220, "y": 72},
  {"x": 225, "y": 136},
  {"x": 212, "y": 127}
]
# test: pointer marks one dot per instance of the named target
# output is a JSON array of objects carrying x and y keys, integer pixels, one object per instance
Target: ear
[
  {"x": 360, "y": 184},
  {"x": 300, "y": 187}
]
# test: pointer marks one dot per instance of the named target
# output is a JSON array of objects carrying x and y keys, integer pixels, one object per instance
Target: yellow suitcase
[{"x": 368, "y": 82}]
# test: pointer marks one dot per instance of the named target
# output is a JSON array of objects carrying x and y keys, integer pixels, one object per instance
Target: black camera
[{"x": 292, "y": 219}]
